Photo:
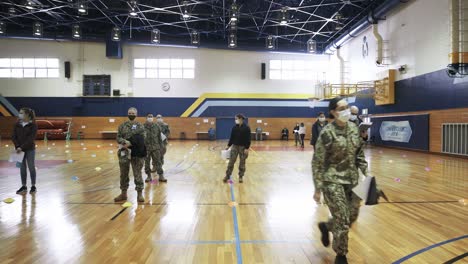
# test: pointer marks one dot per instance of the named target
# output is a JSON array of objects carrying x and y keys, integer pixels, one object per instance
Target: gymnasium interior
[{"x": 81, "y": 64}]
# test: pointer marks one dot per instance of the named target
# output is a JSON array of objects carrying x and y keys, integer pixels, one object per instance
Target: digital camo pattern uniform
[
  {"x": 153, "y": 145},
  {"x": 125, "y": 132},
  {"x": 166, "y": 131},
  {"x": 337, "y": 158},
  {"x": 237, "y": 151}
]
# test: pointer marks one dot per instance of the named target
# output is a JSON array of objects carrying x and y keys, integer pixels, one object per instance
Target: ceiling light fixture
[
  {"x": 82, "y": 8},
  {"x": 133, "y": 8},
  {"x": 270, "y": 42},
  {"x": 195, "y": 37},
  {"x": 2, "y": 28},
  {"x": 155, "y": 36},
  {"x": 232, "y": 40},
  {"x": 311, "y": 46},
  {"x": 37, "y": 29},
  {"x": 30, "y": 5},
  {"x": 116, "y": 34},
  {"x": 185, "y": 12},
  {"x": 234, "y": 12},
  {"x": 76, "y": 32},
  {"x": 284, "y": 16}
]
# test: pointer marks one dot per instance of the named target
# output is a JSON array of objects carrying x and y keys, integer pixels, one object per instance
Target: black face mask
[{"x": 131, "y": 117}]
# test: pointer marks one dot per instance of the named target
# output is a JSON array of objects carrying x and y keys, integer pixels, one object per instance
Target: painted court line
[
  {"x": 455, "y": 259},
  {"x": 403, "y": 259},
  {"x": 119, "y": 213},
  {"x": 236, "y": 227}
]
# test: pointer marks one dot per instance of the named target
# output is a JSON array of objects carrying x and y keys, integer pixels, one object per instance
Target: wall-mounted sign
[{"x": 398, "y": 131}]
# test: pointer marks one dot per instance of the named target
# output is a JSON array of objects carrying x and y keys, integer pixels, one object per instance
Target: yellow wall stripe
[
  {"x": 205, "y": 96},
  {"x": 4, "y": 111}
]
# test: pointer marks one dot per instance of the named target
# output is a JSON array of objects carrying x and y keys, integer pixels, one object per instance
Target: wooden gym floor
[{"x": 193, "y": 219}]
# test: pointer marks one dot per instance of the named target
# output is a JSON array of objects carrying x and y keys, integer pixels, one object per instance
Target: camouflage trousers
[
  {"x": 156, "y": 156},
  {"x": 343, "y": 204},
  {"x": 237, "y": 151},
  {"x": 163, "y": 152},
  {"x": 137, "y": 165}
]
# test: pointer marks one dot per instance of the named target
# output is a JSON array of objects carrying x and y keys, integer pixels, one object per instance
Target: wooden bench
[
  {"x": 108, "y": 134},
  {"x": 264, "y": 135},
  {"x": 202, "y": 135}
]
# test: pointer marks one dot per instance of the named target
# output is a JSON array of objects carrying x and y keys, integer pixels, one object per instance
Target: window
[
  {"x": 163, "y": 68},
  {"x": 29, "y": 68},
  {"x": 294, "y": 69}
]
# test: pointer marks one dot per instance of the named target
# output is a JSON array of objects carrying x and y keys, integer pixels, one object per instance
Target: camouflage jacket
[
  {"x": 127, "y": 129},
  {"x": 153, "y": 136},
  {"x": 165, "y": 130},
  {"x": 338, "y": 155}
]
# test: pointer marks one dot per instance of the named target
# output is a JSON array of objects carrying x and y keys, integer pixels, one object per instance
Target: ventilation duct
[
  {"x": 363, "y": 24},
  {"x": 379, "y": 42}
]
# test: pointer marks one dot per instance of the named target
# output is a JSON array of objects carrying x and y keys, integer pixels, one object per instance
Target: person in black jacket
[
  {"x": 239, "y": 142},
  {"x": 24, "y": 134},
  {"x": 296, "y": 133},
  {"x": 317, "y": 127}
]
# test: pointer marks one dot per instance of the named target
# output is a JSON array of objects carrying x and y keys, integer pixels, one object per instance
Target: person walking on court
[
  {"x": 302, "y": 133},
  {"x": 129, "y": 133},
  {"x": 166, "y": 131},
  {"x": 296, "y": 133},
  {"x": 153, "y": 143},
  {"x": 357, "y": 120},
  {"x": 239, "y": 142},
  {"x": 317, "y": 127},
  {"x": 337, "y": 158},
  {"x": 24, "y": 134}
]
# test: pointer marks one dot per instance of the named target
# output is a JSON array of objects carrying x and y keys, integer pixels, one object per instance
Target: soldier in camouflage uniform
[
  {"x": 153, "y": 144},
  {"x": 166, "y": 131},
  {"x": 337, "y": 158},
  {"x": 126, "y": 131}
]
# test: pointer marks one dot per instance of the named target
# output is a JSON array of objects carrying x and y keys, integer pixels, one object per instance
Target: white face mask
[
  {"x": 237, "y": 121},
  {"x": 353, "y": 117},
  {"x": 149, "y": 119},
  {"x": 21, "y": 116},
  {"x": 321, "y": 119},
  {"x": 344, "y": 115},
  {"x": 159, "y": 120}
]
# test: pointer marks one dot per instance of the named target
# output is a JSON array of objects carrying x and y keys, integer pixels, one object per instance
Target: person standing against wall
[
  {"x": 296, "y": 133},
  {"x": 24, "y": 134},
  {"x": 153, "y": 144},
  {"x": 302, "y": 133},
  {"x": 337, "y": 158},
  {"x": 166, "y": 131},
  {"x": 239, "y": 142},
  {"x": 127, "y": 157}
]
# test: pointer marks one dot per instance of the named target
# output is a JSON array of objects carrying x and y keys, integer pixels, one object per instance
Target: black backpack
[{"x": 138, "y": 146}]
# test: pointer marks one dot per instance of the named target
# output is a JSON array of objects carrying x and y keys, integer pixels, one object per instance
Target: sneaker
[
  {"x": 33, "y": 190},
  {"x": 325, "y": 235},
  {"x": 148, "y": 179},
  {"x": 341, "y": 259},
  {"x": 241, "y": 180},
  {"x": 225, "y": 179},
  {"x": 22, "y": 190}
]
